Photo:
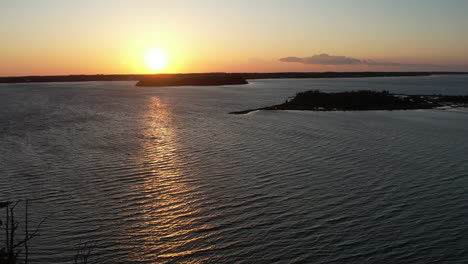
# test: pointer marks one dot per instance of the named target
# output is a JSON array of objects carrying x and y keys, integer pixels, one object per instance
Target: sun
[{"x": 156, "y": 60}]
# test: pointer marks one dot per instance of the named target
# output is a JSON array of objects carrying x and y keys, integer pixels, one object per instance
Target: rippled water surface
[{"x": 156, "y": 175}]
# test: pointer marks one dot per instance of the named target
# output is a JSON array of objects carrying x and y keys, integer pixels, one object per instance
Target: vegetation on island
[
  {"x": 210, "y": 79},
  {"x": 363, "y": 100}
]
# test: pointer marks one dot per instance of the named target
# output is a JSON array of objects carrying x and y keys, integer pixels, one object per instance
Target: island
[
  {"x": 212, "y": 79},
  {"x": 363, "y": 100}
]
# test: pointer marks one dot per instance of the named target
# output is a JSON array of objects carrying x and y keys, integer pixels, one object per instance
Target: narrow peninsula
[{"x": 363, "y": 101}]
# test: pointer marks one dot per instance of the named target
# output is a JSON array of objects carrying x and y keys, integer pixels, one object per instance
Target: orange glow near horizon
[{"x": 224, "y": 36}]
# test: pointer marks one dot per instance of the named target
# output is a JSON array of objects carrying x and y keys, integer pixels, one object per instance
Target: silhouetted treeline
[
  {"x": 71, "y": 78},
  {"x": 363, "y": 100},
  {"x": 275, "y": 75},
  {"x": 301, "y": 75},
  {"x": 356, "y": 100},
  {"x": 193, "y": 80}
]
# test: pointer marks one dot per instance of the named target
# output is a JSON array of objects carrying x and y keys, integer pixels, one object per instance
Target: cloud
[{"x": 323, "y": 59}]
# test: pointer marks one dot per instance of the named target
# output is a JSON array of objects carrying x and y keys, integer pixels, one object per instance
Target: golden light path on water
[{"x": 169, "y": 204}]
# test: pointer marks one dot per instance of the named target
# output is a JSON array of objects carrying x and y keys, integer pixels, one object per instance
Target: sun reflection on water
[{"x": 167, "y": 206}]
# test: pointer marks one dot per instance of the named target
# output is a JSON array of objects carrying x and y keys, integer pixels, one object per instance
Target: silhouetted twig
[{"x": 11, "y": 252}]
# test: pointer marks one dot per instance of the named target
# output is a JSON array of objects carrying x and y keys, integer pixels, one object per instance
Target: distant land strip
[{"x": 246, "y": 76}]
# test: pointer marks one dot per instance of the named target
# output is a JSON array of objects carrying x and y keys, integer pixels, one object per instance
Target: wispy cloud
[{"x": 326, "y": 59}]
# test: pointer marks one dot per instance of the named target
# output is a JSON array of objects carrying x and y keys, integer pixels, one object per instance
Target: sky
[{"x": 61, "y": 37}]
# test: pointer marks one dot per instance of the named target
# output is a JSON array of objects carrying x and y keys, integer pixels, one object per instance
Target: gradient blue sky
[{"x": 112, "y": 36}]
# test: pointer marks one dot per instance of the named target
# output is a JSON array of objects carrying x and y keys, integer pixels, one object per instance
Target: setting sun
[{"x": 156, "y": 60}]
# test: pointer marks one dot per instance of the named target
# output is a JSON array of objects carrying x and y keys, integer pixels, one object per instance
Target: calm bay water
[{"x": 156, "y": 175}]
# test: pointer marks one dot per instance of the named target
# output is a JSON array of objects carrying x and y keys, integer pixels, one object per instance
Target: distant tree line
[
  {"x": 354, "y": 100},
  {"x": 361, "y": 100}
]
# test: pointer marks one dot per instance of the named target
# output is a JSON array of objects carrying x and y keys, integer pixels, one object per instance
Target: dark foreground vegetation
[
  {"x": 15, "y": 245},
  {"x": 212, "y": 79},
  {"x": 274, "y": 75},
  {"x": 363, "y": 100},
  {"x": 16, "y": 234}
]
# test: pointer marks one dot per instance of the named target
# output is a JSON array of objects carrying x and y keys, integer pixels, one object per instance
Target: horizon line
[{"x": 277, "y": 72}]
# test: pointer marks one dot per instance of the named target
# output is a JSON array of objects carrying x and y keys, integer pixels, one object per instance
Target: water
[{"x": 156, "y": 175}]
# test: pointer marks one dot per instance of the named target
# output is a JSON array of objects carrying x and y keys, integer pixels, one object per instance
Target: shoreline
[{"x": 247, "y": 76}]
